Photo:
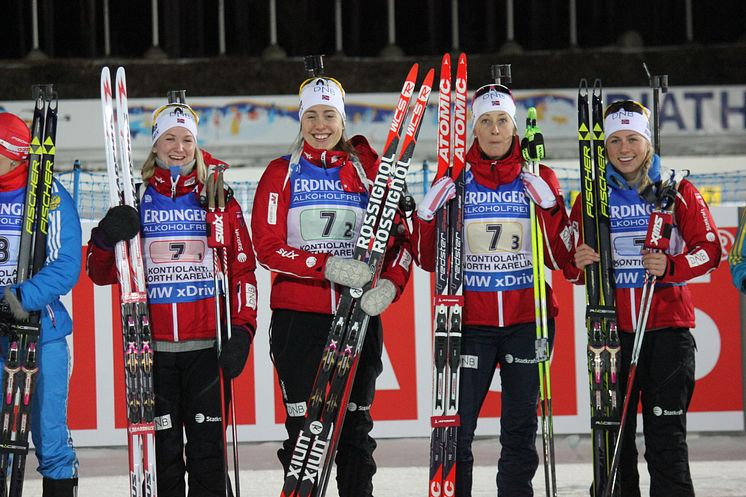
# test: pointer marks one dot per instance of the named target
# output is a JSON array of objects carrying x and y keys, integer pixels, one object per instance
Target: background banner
[
  {"x": 402, "y": 404},
  {"x": 242, "y": 127}
]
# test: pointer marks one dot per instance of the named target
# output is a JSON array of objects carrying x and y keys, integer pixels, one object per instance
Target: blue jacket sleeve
[
  {"x": 735, "y": 258},
  {"x": 64, "y": 254}
]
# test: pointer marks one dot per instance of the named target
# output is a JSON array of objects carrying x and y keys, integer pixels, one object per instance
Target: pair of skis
[
  {"x": 313, "y": 453},
  {"x": 448, "y": 301},
  {"x": 21, "y": 367},
  {"x": 219, "y": 238},
  {"x": 604, "y": 349},
  {"x": 136, "y": 332},
  {"x": 532, "y": 149}
]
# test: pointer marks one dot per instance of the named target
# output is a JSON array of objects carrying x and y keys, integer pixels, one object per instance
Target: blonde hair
[{"x": 149, "y": 166}]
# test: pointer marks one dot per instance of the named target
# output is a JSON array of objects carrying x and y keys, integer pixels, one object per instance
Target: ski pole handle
[
  {"x": 532, "y": 145},
  {"x": 659, "y": 231},
  {"x": 314, "y": 65},
  {"x": 659, "y": 84},
  {"x": 176, "y": 96}
]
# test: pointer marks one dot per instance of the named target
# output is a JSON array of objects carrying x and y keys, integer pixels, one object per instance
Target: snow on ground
[{"x": 711, "y": 479}]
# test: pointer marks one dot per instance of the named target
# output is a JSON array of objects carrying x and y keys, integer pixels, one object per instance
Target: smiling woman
[
  {"x": 308, "y": 211},
  {"x": 664, "y": 381},
  {"x": 180, "y": 283}
]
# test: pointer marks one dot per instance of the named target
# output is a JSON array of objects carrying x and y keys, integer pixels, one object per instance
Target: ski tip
[
  {"x": 462, "y": 58},
  {"x": 597, "y": 85},
  {"x": 413, "y": 71},
  {"x": 105, "y": 84},
  {"x": 583, "y": 86},
  {"x": 429, "y": 77},
  {"x": 446, "y": 59}
]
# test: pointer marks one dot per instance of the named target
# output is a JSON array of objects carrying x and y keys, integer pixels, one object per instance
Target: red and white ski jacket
[
  {"x": 306, "y": 213},
  {"x": 695, "y": 250},
  {"x": 509, "y": 306},
  {"x": 178, "y": 263}
]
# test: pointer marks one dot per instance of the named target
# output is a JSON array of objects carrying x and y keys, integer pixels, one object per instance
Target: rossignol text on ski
[{"x": 314, "y": 449}]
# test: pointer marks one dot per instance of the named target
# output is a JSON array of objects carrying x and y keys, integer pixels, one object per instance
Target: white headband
[
  {"x": 626, "y": 120},
  {"x": 173, "y": 115},
  {"x": 322, "y": 91},
  {"x": 490, "y": 101}
]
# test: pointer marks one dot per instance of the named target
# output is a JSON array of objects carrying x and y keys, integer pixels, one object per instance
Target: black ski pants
[
  {"x": 188, "y": 400},
  {"x": 664, "y": 383},
  {"x": 297, "y": 340},
  {"x": 514, "y": 349}
]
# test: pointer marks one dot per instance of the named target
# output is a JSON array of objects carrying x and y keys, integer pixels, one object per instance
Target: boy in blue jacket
[{"x": 58, "y": 463}]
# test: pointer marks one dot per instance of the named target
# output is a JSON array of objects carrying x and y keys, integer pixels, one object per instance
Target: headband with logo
[
  {"x": 173, "y": 115},
  {"x": 489, "y": 99},
  {"x": 626, "y": 120},
  {"x": 322, "y": 91}
]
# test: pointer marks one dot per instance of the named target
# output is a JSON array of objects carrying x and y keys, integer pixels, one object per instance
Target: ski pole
[
  {"x": 226, "y": 289},
  {"x": 659, "y": 84},
  {"x": 218, "y": 241},
  {"x": 532, "y": 149}
]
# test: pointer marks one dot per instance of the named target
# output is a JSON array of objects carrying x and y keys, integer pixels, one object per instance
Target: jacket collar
[
  {"x": 174, "y": 187},
  {"x": 324, "y": 158},
  {"x": 495, "y": 172}
]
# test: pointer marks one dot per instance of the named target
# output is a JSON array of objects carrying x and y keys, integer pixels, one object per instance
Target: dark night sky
[{"x": 73, "y": 28}]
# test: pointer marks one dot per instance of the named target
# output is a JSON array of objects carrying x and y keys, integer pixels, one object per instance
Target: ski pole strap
[
  {"x": 532, "y": 145},
  {"x": 659, "y": 231}
]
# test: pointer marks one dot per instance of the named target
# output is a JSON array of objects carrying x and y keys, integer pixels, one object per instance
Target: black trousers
[
  {"x": 514, "y": 349},
  {"x": 297, "y": 340},
  {"x": 188, "y": 397},
  {"x": 664, "y": 383}
]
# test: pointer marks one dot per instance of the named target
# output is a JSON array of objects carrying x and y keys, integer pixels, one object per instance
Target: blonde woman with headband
[
  {"x": 499, "y": 315},
  {"x": 665, "y": 370},
  {"x": 308, "y": 210},
  {"x": 179, "y": 278}
]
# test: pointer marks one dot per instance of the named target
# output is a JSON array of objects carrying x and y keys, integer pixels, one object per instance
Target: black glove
[
  {"x": 235, "y": 351},
  {"x": 12, "y": 297},
  {"x": 121, "y": 222}
]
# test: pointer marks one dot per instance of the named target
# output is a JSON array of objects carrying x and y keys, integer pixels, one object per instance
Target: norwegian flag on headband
[
  {"x": 625, "y": 121},
  {"x": 324, "y": 97},
  {"x": 495, "y": 103},
  {"x": 180, "y": 120}
]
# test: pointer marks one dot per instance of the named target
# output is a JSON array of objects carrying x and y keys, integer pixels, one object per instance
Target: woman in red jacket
[
  {"x": 499, "y": 315},
  {"x": 665, "y": 370},
  {"x": 308, "y": 210},
  {"x": 179, "y": 278}
]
